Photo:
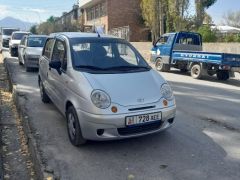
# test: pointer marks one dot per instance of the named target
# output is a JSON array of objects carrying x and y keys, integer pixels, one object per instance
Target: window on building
[{"x": 96, "y": 11}]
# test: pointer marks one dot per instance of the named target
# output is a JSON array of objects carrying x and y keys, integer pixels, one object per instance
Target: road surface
[{"x": 204, "y": 142}]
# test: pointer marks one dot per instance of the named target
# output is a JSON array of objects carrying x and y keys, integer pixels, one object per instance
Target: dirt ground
[{"x": 15, "y": 158}]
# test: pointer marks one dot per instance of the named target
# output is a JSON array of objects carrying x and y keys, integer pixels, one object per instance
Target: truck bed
[{"x": 232, "y": 60}]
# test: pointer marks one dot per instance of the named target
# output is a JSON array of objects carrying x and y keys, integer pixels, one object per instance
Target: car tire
[
  {"x": 44, "y": 97},
  {"x": 11, "y": 53},
  {"x": 73, "y": 127},
  {"x": 196, "y": 71},
  {"x": 28, "y": 69},
  {"x": 19, "y": 62},
  {"x": 223, "y": 75},
  {"x": 160, "y": 66}
]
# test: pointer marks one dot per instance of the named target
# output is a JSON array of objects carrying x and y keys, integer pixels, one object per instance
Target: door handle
[{"x": 47, "y": 74}]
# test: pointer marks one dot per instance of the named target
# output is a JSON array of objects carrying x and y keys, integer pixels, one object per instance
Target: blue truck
[{"x": 183, "y": 51}]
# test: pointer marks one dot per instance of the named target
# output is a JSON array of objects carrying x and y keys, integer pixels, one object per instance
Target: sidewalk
[{"x": 14, "y": 161}]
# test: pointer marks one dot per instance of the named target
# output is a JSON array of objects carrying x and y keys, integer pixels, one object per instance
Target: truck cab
[{"x": 183, "y": 51}]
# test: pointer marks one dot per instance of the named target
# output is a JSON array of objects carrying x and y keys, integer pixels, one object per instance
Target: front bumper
[
  {"x": 14, "y": 51},
  {"x": 112, "y": 127}
]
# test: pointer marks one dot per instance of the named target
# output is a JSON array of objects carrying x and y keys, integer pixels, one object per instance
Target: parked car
[
  {"x": 30, "y": 50},
  {"x": 104, "y": 88},
  {"x": 5, "y": 36},
  {"x": 15, "y": 41}
]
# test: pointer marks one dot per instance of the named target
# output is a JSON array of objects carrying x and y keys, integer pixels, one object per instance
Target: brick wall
[{"x": 127, "y": 13}]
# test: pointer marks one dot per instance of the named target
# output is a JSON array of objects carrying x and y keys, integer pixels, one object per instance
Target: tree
[
  {"x": 33, "y": 29},
  {"x": 165, "y": 15},
  {"x": 201, "y": 6},
  {"x": 232, "y": 18},
  {"x": 177, "y": 15},
  {"x": 208, "y": 35}
]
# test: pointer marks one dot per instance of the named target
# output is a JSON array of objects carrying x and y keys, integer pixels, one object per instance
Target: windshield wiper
[
  {"x": 127, "y": 67},
  {"x": 89, "y": 67}
]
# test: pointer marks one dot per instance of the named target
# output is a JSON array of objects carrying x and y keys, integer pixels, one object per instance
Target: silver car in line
[
  {"x": 30, "y": 50},
  {"x": 104, "y": 88}
]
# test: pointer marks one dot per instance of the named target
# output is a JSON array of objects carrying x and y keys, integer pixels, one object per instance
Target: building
[
  {"x": 69, "y": 17},
  {"x": 224, "y": 29},
  {"x": 121, "y": 18}
]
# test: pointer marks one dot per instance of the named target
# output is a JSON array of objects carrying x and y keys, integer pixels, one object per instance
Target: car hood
[
  {"x": 129, "y": 89},
  {"x": 17, "y": 42},
  {"x": 34, "y": 51}
]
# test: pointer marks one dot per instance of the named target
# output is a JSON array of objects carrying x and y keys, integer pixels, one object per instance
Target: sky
[{"x": 40, "y": 10}]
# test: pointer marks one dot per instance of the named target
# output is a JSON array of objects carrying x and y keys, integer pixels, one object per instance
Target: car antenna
[{"x": 98, "y": 34}]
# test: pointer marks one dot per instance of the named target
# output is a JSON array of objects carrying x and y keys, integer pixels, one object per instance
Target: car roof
[
  {"x": 71, "y": 35},
  {"x": 35, "y": 35},
  {"x": 21, "y": 32}
]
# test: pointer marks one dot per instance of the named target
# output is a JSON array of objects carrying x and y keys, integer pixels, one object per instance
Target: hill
[{"x": 15, "y": 23}]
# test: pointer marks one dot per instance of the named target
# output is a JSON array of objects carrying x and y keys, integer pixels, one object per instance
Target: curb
[{"x": 40, "y": 170}]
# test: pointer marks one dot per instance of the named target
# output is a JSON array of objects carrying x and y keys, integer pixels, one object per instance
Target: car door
[
  {"x": 21, "y": 49},
  {"x": 44, "y": 66},
  {"x": 59, "y": 77}
]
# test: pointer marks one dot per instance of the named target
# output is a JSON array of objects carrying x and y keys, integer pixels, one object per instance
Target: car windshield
[
  {"x": 106, "y": 56},
  {"x": 18, "y": 36},
  {"x": 36, "y": 41},
  {"x": 8, "y": 32}
]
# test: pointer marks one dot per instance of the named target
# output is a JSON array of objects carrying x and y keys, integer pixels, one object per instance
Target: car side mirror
[{"x": 56, "y": 64}]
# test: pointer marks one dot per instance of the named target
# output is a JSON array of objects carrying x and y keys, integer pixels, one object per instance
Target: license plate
[{"x": 143, "y": 118}]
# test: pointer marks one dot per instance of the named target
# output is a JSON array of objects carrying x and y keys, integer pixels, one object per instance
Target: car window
[
  {"x": 23, "y": 41},
  {"x": 60, "y": 53},
  {"x": 127, "y": 54},
  {"x": 106, "y": 56},
  {"x": 162, "y": 40},
  {"x": 18, "y": 36},
  {"x": 36, "y": 41},
  {"x": 48, "y": 48},
  {"x": 189, "y": 39}
]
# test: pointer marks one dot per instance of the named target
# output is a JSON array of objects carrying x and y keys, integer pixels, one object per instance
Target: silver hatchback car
[{"x": 104, "y": 88}]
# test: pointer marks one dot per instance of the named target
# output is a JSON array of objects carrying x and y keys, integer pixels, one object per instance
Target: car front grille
[{"x": 140, "y": 128}]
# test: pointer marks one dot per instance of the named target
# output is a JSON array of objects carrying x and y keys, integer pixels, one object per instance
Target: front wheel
[
  {"x": 160, "y": 66},
  {"x": 73, "y": 126},
  {"x": 196, "y": 71},
  {"x": 19, "y": 62},
  {"x": 223, "y": 75},
  {"x": 44, "y": 97}
]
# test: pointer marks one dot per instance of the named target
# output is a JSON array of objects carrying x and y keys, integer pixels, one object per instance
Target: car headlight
[
  {"x": 166, "y": 92},
  {"x": 100, "y": 99}
]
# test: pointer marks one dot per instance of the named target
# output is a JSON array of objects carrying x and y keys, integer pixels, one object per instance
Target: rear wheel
[
  {"x": 19, "y": 62},
  {"x": 196, "y": 71},
  {"x": 44, "y": 96},
  {"x": 223, "y": 75},
  {"x": 160, "y": 66},
  {"x": 74, "y": 129}
]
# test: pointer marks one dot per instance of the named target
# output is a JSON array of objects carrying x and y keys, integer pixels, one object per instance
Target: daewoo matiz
[{"x": 104, "y": 88}]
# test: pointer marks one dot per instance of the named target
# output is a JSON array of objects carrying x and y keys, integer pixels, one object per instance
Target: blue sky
[{"x": 40, "y": 10}]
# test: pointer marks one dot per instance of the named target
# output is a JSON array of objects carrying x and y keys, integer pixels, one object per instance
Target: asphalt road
[{"x": 204, "y": 142}]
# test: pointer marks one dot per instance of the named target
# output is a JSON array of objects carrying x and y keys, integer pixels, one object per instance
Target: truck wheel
[
  {"x": 74, "y": 129},
  {"x": 196, "y": 71},
  {"x": 160, "y": 66},
  {"x": 223, "y": 75},
  {"x": 44, "y": 97}
]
